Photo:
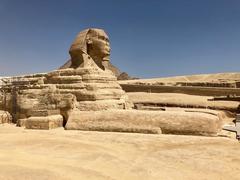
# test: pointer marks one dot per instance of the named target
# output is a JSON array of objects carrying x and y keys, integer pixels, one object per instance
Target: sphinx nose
[{"x": 108, "y": 46}]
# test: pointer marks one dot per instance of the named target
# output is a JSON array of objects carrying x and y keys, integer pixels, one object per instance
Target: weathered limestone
[
  {"x": 173, "y": 122},
  {"x": 144, "y": 100},
  {"x": 5, "y": 117},
  {"x": 47, "y": 122},
  {"x": 21, "y": 122}
]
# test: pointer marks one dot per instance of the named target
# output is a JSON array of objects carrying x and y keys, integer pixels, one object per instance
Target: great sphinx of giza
[{"x": 85, "y": 95}]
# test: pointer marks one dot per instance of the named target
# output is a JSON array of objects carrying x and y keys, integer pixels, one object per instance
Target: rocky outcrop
[
  {"x": 5, "y": 117},
  {"x": 142, "y": 99}
]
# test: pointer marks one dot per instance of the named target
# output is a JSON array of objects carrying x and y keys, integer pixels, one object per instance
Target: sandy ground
[
  {"x": 218, "y": 77},
  {"x": 59, "y": 154}
]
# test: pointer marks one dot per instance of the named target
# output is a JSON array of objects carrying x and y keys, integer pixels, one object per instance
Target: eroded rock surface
[
  {"x": 168, "y": 122},
  {"x": 5, "y": 117}
]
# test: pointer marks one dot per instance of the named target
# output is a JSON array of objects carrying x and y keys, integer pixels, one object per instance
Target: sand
[
  {"x": 218, "y": 77},
  {"x": 59, "y": 154}
]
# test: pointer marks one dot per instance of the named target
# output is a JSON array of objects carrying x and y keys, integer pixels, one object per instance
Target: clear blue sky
[{"x": 149, "y": 38}]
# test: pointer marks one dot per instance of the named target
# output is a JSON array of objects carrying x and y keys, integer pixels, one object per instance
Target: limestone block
[
  {"x": 95, "y": 86},
  {"x": 101, "y": 105},
  {"x": 181, "y": 100},
  {"x": 101, "y": 94},
  {"x": 43, "y": 113},
  {"x": 65, "y": 79},
  {"x": 66, "y": 101},
  {"x": 5, "y": 117},
  {"x": 99, "y": 77},
  {"x": 193, "y": 123},
  {"x": 48, "y": 122},
  {"x": 71, "y": 86},
  {"x": 21, "y": 122}
]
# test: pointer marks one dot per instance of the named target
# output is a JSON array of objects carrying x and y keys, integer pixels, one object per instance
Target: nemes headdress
[{"x": 80, "y": 43}]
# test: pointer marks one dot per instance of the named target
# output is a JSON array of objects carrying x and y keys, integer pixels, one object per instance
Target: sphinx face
[
  {"x": 99, "y": 47},
  {"x": 91, "y": 42}
]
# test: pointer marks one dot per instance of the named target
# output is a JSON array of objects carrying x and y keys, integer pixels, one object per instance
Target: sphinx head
[{"x": 91, "y": 42}]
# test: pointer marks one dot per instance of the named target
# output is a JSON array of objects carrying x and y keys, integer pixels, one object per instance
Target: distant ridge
[{"x": 218, "y": 77}]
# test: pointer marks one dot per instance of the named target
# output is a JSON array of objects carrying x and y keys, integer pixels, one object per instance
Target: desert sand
[
  {"x": 59, "y": 154},
  {"x": 218, "y": 77}
]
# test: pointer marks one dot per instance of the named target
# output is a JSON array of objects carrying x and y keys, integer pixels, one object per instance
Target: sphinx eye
[{"x": 104, "y": 38}]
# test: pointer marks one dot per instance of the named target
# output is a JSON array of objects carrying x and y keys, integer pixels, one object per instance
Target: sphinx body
[{"x": 86, "y": 85}]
